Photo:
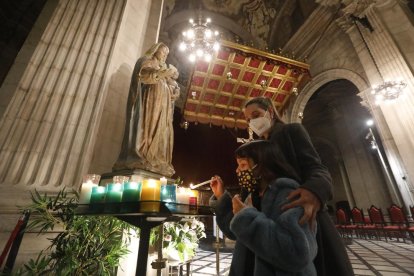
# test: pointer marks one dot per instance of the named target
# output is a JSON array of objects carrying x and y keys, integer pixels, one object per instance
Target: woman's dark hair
[
  {"x": 270, "y": 160},
  {"x": 265, "y": 104}
]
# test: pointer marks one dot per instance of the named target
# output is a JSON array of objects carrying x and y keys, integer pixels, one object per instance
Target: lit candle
[
  {"x": 86, "y": 191},
  {"x": 114, "y": 193},
  {"x": 97, "y": 198},
  {"x": 163, "y": 181},
  {"x": 182, "y": 195},
  {"x": 98, "y": 194},
  {"x": 168, "y": 192},
  {"x": 150, "y": 191},
  {"x": 132, "y": 192}
]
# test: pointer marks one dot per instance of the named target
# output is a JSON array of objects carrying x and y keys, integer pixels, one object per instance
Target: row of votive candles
[{"x": 136, "y": 189}]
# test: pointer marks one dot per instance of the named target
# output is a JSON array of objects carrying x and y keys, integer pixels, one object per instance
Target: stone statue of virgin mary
[{"x": 148, "y": 136}]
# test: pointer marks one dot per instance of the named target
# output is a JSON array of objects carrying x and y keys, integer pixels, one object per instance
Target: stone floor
[{"x": 368, "y": 257}]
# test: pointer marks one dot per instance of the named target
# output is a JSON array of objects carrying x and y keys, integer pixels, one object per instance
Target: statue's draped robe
[{"x": 148, "y": 137}]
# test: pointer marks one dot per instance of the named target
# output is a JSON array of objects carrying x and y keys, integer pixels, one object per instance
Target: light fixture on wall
[
  {"x": 200, "y": 41},
  {"x": 389, "y": 89}
]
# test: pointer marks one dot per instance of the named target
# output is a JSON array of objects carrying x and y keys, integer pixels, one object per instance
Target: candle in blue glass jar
[{"x": 168, "y": 192}]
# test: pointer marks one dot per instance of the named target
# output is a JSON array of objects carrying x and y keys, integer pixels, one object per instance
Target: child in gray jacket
[{"x": 269, "y": 241}]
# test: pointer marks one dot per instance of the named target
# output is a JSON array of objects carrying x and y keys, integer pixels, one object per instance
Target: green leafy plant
[
  {"x": 86, "y": 245},
  {"x": 181, "y": 238}
]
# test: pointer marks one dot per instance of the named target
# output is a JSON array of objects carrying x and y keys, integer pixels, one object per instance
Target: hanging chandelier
[
  {"x": 200, "y": 41},
  {"x": 388, "y": 90}
]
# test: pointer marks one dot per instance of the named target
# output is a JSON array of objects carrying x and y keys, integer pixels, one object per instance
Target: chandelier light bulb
[
  {"x": 216, "y": 46},
  {"x": 192, "y": 57},
  {"x": 190, "y": 34},
  {"x": 191, "y": 21},
  {"x": 182, "y": 46},
  {"x": 208, "y": 20},
  {"x": 208, "y": 33},
  {"x": 207, "y": 57},
  {"x": 199, "y": 52},
  {"x": 216, "y": 33}
]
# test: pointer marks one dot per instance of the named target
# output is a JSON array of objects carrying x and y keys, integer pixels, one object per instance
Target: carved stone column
[
  {"x": 48, "y": 132},
  {"x": 383, "y": 60}
]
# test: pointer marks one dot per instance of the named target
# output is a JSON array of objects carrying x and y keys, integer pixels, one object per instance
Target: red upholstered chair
[
  {"x": 343, "y": 224},
  {"x": 399, "y": 222},
  {"x": 377, "y": 219},
  {"x": 364, "y": 227},
  {"x": 411, "y": 228}
]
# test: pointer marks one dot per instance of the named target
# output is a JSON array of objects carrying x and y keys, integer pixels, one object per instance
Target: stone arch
[{"x": 318, "y": 81}]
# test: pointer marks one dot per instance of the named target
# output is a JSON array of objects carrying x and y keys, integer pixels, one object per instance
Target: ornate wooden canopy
[{"x": 219, "y": 89}]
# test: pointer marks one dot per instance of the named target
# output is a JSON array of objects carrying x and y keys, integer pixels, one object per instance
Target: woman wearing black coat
[{"x": 316, "y": 182}]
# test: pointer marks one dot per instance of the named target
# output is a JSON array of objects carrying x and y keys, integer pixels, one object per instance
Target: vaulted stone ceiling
[{"x": 263, "y": 24}]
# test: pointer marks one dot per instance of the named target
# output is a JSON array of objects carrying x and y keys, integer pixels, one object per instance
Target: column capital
[{"x": 358, "y": 8}]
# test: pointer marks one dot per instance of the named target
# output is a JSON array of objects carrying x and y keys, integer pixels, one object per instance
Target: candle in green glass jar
[
  {"x": 97, "y": 198},
  {"x": 98, "y": 194},
  {"x": 131, "y": 192},
  {"x": 114, "y": 193}
]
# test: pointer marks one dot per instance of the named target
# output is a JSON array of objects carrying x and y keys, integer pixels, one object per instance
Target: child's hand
[{"x": 238, "y": 204}]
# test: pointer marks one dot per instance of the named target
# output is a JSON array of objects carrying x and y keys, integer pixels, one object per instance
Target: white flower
[
  {"x": 186, "y": 228},
  {"x": 192, "y": 233},
  {"x": 167, "y": 238}
]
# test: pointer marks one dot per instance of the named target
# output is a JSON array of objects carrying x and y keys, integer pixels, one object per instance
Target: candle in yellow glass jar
[{"x": 150, "y": 191}]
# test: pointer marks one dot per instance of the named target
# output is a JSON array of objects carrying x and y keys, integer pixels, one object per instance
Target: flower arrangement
[{"x": 181, "y": 238}]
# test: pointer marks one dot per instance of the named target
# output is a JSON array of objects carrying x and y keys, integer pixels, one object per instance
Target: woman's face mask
[{"x": 260, "y": 125}]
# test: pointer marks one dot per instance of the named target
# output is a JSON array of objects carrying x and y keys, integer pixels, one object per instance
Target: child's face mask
[{"x": 247, "y": 180}]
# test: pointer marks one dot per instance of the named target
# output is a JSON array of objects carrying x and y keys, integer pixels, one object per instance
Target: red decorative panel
[
  {"x": 280, "y": 98},
  {"x": 239, "y": 59},
  {"x": 223, "y": 100},
  {"x": 190, "y": 107},
  {"x": 255, "y": 92},
  {"x": 228, "y": 87},
  {"x": 275, "y": 83},
  {"x": 287, "y": 86},
  {"x": 242, "y": 90},
  {"x": 209, "y": 97},
  {"x": 204, "y": 109},
  {"x": 218, "y": 69},
  {"x": 268, "y": 67},
  {"x": 248, "y": 76},
  {"x": 218, "y": 111},
  {"x": 202, "y": 66},
  {"x": 235, "y": 73},
  {"x": 213, "y": 84},
  {"x": 282, "y": 70},
  {"x": 198, "y": 81},
  {"x": 254, "y": 63},
  {"x": 224, "y": 55},
  {"x": 237, "y": 102},
  {"x": 269, "y": 94}
]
